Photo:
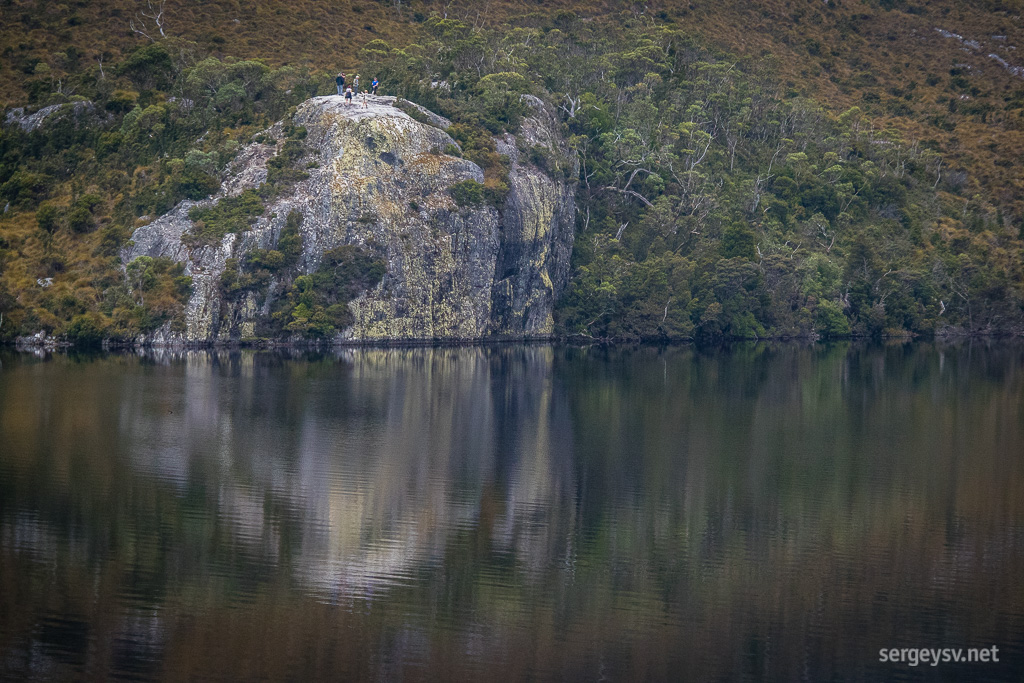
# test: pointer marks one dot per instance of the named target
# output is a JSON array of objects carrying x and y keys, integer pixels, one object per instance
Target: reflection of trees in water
[{"x": 531, "y": 509}]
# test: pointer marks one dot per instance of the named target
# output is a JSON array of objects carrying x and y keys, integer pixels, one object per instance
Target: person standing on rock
[
  {"x": 365, "y": 105},
  {"x": 373, "y": 86},
  {"x": 348, "y": 95},
  {"x": 339, "y": 80},
  {"x": 355, "y": 84}
]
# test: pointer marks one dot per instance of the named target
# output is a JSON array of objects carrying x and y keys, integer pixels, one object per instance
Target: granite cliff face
[{"x": 380, "y": 180}]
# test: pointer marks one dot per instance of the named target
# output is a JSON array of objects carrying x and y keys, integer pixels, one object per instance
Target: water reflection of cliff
[
  {"x": 761, "y": 513},
  {"x": 371, "y": 458}
]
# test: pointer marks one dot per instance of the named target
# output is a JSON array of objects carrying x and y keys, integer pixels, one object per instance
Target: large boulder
[{"x": 380, "y": 179}]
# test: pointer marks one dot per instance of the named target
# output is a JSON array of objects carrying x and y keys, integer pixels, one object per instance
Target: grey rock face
[
  {"x": 82, "y": 111},
  {"x": 538, "y": 225},
  {"x": 380, "y": 179}
]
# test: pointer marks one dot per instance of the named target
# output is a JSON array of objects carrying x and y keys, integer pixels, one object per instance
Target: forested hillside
[{"x": 746, "y": 169}]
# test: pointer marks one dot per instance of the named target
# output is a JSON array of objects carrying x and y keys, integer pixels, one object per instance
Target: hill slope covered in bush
[{"x": 779, "y": 168}]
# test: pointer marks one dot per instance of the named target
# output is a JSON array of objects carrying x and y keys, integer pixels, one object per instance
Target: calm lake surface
[{"x": 512, "y": 512}]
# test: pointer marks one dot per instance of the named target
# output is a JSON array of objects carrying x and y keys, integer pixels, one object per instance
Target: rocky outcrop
[
  {"x": 537, "y": 226},
  {"x": 82, "y": 112},
  {"x": 380, "y": 180}
]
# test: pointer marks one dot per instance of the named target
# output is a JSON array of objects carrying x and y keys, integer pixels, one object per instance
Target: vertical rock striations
[
  {"x": 537, "y": 226},
  {"x": 380, "y": 180}
]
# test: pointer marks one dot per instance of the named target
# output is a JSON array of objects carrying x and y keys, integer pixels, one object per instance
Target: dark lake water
[{"x": 513, "y": 512}]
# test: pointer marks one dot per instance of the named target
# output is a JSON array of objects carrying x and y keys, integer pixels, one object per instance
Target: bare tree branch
[
  {"x": 632, "y": 193},
  {"x": 152, "y": 12}
]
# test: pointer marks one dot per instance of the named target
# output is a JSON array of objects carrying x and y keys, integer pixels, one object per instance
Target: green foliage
[
  {"x": 281, "y": 171},
  {"x": 122, "y": 101},
  {"x": 152, "y": 294},
  {"x": 149, "y": 67},
  {"x": 501, "y": 96},
  {"x": 48, "y": 217},
  {"x": 8, "y": 305},
  {"x": 25, "y": 188},
  {"x": 467, "y": 193},
  {"x": 713, "y": 200},
  {"x": 80, "y": 219},
  {"x": 316, "y": 305},
  {"x": 830, "y": 321},
  {"x": 261, "y": 266},
  {"x": 621, "y": 298},
  {"x": 783, "y": 216},
  {"x": 80, "y": 216},
  {"x": 738, "y": 240},
  {"x": 88, "y": 329},
  {"x": 196, "y": 184},
  {"x": 229, "y": 215},
  {"x": 290, "y": 241}
]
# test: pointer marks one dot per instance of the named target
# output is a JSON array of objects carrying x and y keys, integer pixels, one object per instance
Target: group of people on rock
[{"x": 353, "y": 88}]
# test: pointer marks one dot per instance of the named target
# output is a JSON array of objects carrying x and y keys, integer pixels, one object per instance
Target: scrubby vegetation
[
  {"x": 313, "y": 306},
  {"x": 316, "y": 305},
  {"x": 810, "y": 176},
  {"x": 715, "y": 203},
  {"x": 165, "y": 124},
  {"x": 231, "y": 214},
  {"x": 282, "y": 173},
  {"x": 262, "y": 265},
  {"x": 467, "y": 193}
]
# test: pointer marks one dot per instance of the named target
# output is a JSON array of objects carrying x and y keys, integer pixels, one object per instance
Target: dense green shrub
[
  {"x": 281, "y": 172},
  {"x": 87, "y": 329},
  {"x": 261, "y": 266},
  {"x": 316, "y": 305},
  {"x": 80, "y": 215},
  {"x": 25, "y": 188},
  {"x": 197, "y": 184},
  {"x": 48, "y": 217},
  {"x": 230, "y": 214},
  {"x": 149, "y": 67},
  {"x": 467, "y": 193}
]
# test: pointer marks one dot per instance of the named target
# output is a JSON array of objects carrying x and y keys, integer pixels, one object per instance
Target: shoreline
[{"x": 37, "y": 343}]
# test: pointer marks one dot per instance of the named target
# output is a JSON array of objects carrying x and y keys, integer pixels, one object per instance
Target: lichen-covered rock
[
  {"x": 380, "y": 180},
  {"x": 80, "y": 112},
  {"x": 538, "y": 225}
]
